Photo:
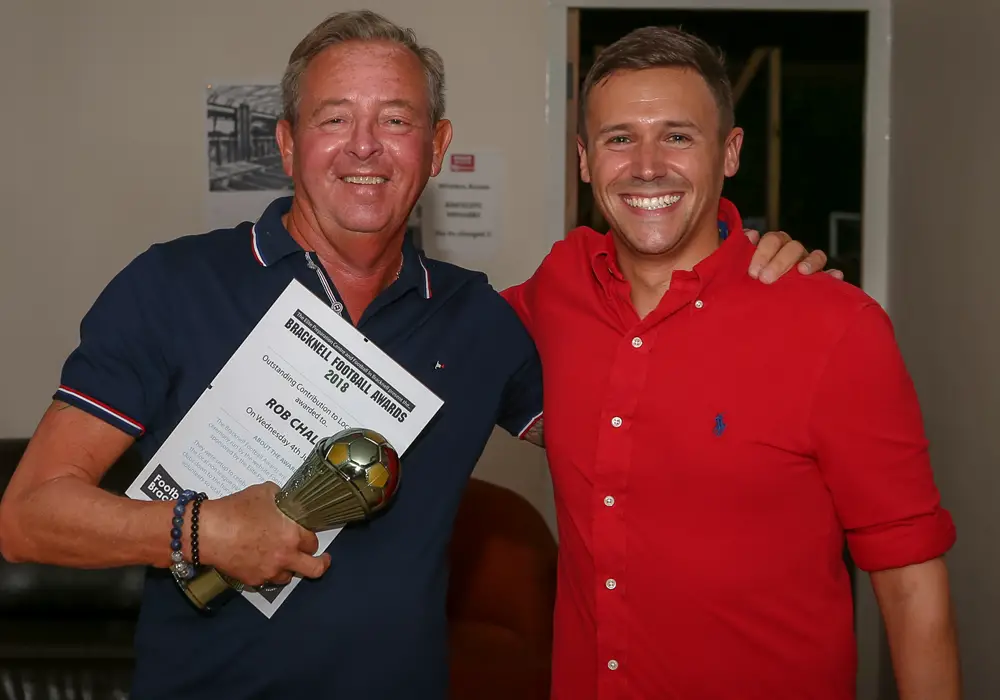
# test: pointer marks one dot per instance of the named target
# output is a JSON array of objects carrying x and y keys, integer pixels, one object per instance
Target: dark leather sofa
[{"x": 66, "y": 634}]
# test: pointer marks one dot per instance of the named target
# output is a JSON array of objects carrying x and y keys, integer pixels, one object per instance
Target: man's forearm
[
  {"x": 920, "y": 625},
  {"x": 69, "y": 522},
  {"x": 536, "y": 433}
]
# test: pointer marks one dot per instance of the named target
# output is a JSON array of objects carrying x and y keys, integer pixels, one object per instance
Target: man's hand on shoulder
[{"x": 777, "y": 253}]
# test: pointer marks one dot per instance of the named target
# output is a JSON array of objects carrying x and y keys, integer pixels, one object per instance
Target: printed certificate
[{"x": 302, "y": 374}]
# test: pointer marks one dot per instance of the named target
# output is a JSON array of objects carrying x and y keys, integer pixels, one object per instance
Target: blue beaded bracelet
[{"x": 180, "y": 568}]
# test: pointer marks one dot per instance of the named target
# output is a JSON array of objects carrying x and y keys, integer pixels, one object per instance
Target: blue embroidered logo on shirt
[{"x": 720, "y": 425}]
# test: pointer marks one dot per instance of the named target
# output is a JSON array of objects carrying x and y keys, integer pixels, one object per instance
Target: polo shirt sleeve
[
  {"x": 519, "y": 297},
  {"x": 118, "y": 371},
  {"x": 521, "y": 407},
  {"x": 522, "y": 401},
  {"x": 872, "y": 450}
]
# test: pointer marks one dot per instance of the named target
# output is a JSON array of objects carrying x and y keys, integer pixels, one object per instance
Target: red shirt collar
[{"x": 604, "y": 258}]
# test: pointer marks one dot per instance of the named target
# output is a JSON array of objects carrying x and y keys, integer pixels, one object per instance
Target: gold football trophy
[{"x": 347, "y": 477}]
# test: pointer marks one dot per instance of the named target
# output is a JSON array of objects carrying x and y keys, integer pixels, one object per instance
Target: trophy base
[{"x": 210, "y": 589}]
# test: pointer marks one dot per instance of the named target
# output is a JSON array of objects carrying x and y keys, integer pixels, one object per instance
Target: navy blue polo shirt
[{"x": 374, "y": 625}]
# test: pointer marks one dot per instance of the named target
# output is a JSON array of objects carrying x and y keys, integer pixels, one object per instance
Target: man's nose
[
  {"x": 650, "y": 162},
  {"x": 364, "y": 142}
]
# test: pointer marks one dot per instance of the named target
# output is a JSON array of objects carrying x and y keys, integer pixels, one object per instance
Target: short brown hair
[
  {"x": 663, "y": 47},
  {"x": 360, "y": 25}
]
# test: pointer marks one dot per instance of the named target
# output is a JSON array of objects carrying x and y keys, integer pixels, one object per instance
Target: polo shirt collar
[
  {"x": 270, "y": 242},
  {"x": 604, "y": 257},
  {"x": 414, "y": 274},
  {"x": 728, "y": 260}
]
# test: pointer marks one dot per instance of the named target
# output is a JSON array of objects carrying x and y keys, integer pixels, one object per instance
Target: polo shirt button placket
[{"x": 611, "y": 610}]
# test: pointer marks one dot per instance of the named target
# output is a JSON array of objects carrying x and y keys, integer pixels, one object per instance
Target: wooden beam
[
  {"x": 774, "y": 142},
  {"x": 753, "y": 64}
]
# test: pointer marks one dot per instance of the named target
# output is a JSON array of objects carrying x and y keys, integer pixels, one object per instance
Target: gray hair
[{"x": 361, "y": 25}]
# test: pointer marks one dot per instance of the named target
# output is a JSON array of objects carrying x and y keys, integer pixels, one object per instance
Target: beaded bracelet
[
  {"x": 195, "y": 510},
  {"x": 180, "y": 568}
]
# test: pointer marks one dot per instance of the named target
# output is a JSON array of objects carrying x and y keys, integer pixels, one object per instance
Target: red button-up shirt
[{"x": 708, "y": 462}]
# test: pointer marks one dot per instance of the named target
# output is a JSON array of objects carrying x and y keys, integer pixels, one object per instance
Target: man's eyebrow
[
  {"x": 682, "y": 124},
  {"x": 670, "y": 124},
  {"x": 614, "y": 127},
  {"x": 399, "y": 103},
  {"x": 329, "y": 103},
  {"x": 343, "y": 101}
]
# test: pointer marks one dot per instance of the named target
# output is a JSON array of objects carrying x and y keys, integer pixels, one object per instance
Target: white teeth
[
  {"x": 364, "y": 180},
  {"x": 652, "y": 203}
]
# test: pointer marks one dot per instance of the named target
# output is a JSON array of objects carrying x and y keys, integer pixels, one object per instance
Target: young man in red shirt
[{"x": 714, "y": 440}]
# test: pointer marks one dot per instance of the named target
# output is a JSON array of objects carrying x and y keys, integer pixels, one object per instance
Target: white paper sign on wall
[{"x": 462, "y": 206}]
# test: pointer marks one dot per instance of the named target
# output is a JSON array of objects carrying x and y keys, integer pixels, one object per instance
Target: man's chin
[
  {"x": 367, "y": 225},
  {"x": 368, "y": 230},
  {"x": 650, "y": 243}
]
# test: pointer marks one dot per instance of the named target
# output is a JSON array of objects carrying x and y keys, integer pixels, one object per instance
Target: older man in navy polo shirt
[{"x": 363, "y": 131}]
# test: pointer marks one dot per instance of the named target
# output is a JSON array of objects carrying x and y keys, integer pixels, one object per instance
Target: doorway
[{"x": 811, "y": 82}]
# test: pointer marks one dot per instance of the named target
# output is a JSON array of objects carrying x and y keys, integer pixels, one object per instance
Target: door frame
[{"x": 873, "y": 658}]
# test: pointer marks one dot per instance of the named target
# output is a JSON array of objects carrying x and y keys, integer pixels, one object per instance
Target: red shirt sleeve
[
  {"x": 872, "y": 450},
  {"x": 519, "y": 297}
]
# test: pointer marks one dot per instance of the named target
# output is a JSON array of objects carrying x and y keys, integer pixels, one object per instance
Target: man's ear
[
  {"x": 286, "y": 145},
  {"x": 442, "y": 139},
  {"x": 581, "y": 150},
  {"x": 734, "y": 142}
]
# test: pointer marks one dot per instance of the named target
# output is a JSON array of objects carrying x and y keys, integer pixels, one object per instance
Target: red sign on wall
[{"x": 463, "y": 163}]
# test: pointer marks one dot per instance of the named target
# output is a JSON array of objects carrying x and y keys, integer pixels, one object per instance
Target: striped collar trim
[
  {"x": 425, "y": 281},
  {"x": 427, "y": 276},
  {"x": 255, "y": 247}
]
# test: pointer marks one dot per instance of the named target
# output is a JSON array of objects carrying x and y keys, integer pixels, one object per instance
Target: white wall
[{"x": 105, "y": 151}]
